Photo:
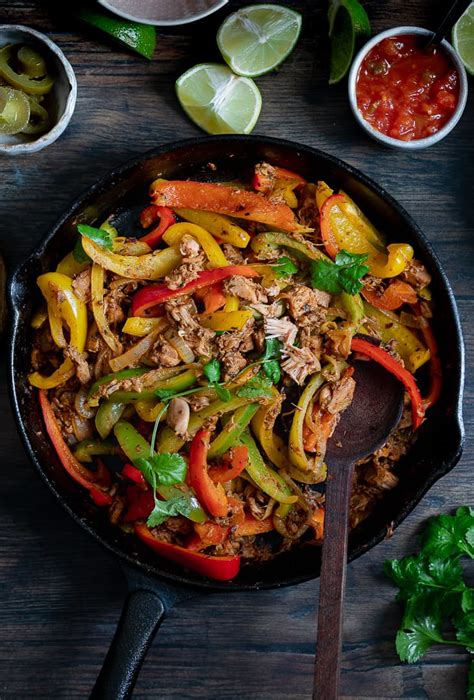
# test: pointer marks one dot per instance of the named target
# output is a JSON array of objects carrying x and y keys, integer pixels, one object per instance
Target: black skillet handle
[{"x": 143, "y": 612}]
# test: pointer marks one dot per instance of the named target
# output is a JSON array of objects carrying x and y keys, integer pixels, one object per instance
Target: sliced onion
[
  {"x": 181, "y": 346},
  {"x": 133, "y": 355},
  {"x": 80, "y": 404},
  {"x": 82, "y": 428}
]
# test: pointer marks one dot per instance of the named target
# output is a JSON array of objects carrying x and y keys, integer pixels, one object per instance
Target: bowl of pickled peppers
[{"x": 37, "y": 90}]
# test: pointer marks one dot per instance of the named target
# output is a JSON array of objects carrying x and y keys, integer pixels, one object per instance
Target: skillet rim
[{"x": 116, "y": 173}]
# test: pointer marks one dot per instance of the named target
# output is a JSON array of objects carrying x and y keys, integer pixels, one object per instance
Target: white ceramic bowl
[
  {"x": 63, "y": 94},
  {"x": 165, "y": 13},
  {"x": 416, "y": 144}
]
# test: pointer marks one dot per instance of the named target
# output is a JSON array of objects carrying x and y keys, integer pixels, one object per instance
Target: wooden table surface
[{"x": 60, "y": 593}]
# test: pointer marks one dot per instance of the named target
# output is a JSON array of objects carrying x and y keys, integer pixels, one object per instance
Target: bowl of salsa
[{"x": 405, "y": 94}]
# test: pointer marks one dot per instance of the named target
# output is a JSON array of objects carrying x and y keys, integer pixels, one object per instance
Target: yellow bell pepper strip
[
  {"x": 229, "y": 435},
  {"x": 152, "y": 266},
  {"x": 108, "y": 414},
  {"x": 176, "y": 384},
  {"x": 140, "y": 327},
  {"x": 130, "y": 246},
  {"x": 98, "y": 309},
  {"x": 296, "y": 449},
  {"x": 222, "y": 568},
  {"x": 342, "y": 232},
  {"x": 217, "y": 224},
  {"x": 262, "y": 425},
  {"x": 168, "y": 441},
  {"x": 224, "y": 200},
  {"x": 21, "y": 81},
  {"x": 39, "y": 318},
  {"x": 323, "y": 192},
  {"x": 70, "y": 266},
  {"x": 263, "y": 243},
  {"x": 405, "y": 341},
  {"x": 210, "y": 246},
  {"x": 64, "y": 307},
  {"x": 231, "y": 304},
  {"x": 381, "y": 356},
  {"x": 211, "y": 496},
  {"x": 352, "y": 211},
  {"x": 277, "y": 182},
  {"x": 226, "y": 320},
  {"x": 153, "y": 295},
  {"x": 149, "y": 409},
  {"x": 266, "y": 478}
]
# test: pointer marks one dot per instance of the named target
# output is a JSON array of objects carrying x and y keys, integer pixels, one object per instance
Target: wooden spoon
[{"x": 363, "y": 428}]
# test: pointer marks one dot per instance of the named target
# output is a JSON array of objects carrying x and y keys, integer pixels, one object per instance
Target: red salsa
[{"x": 405, "y": 91}]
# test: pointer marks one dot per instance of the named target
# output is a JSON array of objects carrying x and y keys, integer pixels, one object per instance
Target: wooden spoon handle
[{"x": 332, "y": 582}]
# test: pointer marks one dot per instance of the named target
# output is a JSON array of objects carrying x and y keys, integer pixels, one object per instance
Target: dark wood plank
[{"x": 60, "y": 594}]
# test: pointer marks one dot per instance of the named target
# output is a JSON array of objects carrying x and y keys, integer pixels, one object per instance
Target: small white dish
[
  {"x": 166, "y": 13},
  {"x": 63, "y": 94},
  {"x": 416, "y": 144}
]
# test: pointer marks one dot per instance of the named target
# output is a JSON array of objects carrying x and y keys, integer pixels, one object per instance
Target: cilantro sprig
[
  {"x": 284, "y": 267},
  {"x": 257, "y": 387},
  {"x": 270, "y": 363},
  {"x": 433, "y": 589},
  {"x": 342, "y": 275},
  {"x": 101, "y": 236}
]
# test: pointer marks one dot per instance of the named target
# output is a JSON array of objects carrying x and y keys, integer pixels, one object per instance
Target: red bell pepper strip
[
  {"x": 218, "y": 568},
  {"x": 381, "y": 356},
  {"x": 83, "y": 476},
  {"x": 252, "y": 526},
  {"x": 396, "y": 294},
  {"x": 140, "y": 503},
  {"x": 207, "y": 534},
  {"x": 134, "y": 474},
  {"x": 436, "y": 373},
  {"x": 232, "y": 468},
  {"x": 167, "y": 218},
  {"x": 157, "y": 294},
  {"x": 265, "y": 183},
  {"x": 222, "y": 199},
  {"x": 211, "y": 496},
  {"x": 100, "y": 498},
  {"x": 148, "y": 216}
]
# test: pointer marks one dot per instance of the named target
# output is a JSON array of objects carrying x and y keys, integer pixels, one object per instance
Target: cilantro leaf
[
  {"x": 273, "y": 348},
  {"x": 164, "y": 510},
  {"x": 166, "y": 468},
  {"x": 415, "y": 574},
  {"x": 284, "y": 267},
  {"x": 450, "y": 535},
  {"x": 342, "y": 275},
  {"x": 257, "y": 387},
  {"x": 273, "y": 370},
  {"x": 270, "y": 364},
  {"x": 464, "y": 625},
  {"x": 223, "y": 394},
  {"x": 165, "y": 394},
  {"x": 212, "y": 370},
  {"x": 79, "y": 254},
  {"x": 97, "y": 235},
  {"x": 421, "y": 627}
]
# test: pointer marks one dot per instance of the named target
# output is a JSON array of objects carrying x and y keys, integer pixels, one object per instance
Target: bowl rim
[
  {"x": 113, "y": 176},
  {"x": 217, "y": 5},
  {"x": 55, "y": 132},
  {"x": 416, "y": 144}
]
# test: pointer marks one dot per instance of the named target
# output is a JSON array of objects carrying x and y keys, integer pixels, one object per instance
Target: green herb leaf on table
[
  {"x": 342, "y": 275},
  {"x": 99, "y": 236},
  {"x": 421, "y": 627},
  {"x": 257, "y": 387},
  {"x": 284, "y": 267},
  {"x": 449, "y": 535}
]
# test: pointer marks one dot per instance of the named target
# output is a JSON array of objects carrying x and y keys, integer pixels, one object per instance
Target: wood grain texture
[{"x": 60, "y": 593}]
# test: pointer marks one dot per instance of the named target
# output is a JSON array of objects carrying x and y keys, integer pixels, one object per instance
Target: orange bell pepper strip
[
  {"x": 221, "y": 199},
  {"x": 252, "y": 526},
  {"x": 396, "y": 294},
  {"x": 232, "y": 468},
  {"x": 152, "y": 295},
  {"x": 317, "y": 523},
  {"x": 222, "y": 568},
  {"x": 90, "y": 480},
  {"x": 206, "y": 535},
  {"x": 381, "y": 356},
  {"x": 211, "y": 496},
  {"x": 213, "y": 298}
]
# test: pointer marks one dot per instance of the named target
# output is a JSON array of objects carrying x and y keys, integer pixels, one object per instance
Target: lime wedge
[
  {"x": 219, "y": 101},
  {"x": 347, "y": 21},
  {"x": 139, "y": 37},
  {"x": 463, "y": 38},
  {"x": 256, "y": 39}
]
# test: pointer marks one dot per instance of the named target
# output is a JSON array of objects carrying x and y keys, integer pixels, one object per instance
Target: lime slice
[
  {"x": 463, "y": 38},
  {"x": 256, "y": 39},
  {"x": 139, "y": 37},
  {"x": 219, "y": 101},
  {"x": 347, "y": 21}
]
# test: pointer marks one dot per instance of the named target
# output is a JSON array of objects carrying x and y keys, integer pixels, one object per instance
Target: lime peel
[{"x": 463, "y": 38}]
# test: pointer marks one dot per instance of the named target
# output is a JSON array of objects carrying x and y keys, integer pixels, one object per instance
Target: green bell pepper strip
[
  {"x": 168, "y": 441},
  {"x": 123, "y": 374},
  {"x": 230, "y": 434},
  {"x": 175, "y": 384},
  {"x": 354, "y": 308},
  {"x": 135, "y": 446},
  {"x": 87, "y": 449},
  {"x": 108, "y": 414},
  {"x": 273, "y": 239},
  {"x": 266, "y": 478},
  {"x": 22, "y": 82}
]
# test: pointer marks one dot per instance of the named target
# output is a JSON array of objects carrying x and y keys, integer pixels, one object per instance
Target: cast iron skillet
[{"x": 154, "y": 583}]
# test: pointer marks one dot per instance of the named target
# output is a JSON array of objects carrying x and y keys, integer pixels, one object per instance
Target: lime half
[
  {"x": 347, "y": 21},
  {"x": 139, "y": 37},
  {"x": 256, "y": 39},
  {"x": 463, "y": 38},
  {"x": 219, "y": 101}
]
